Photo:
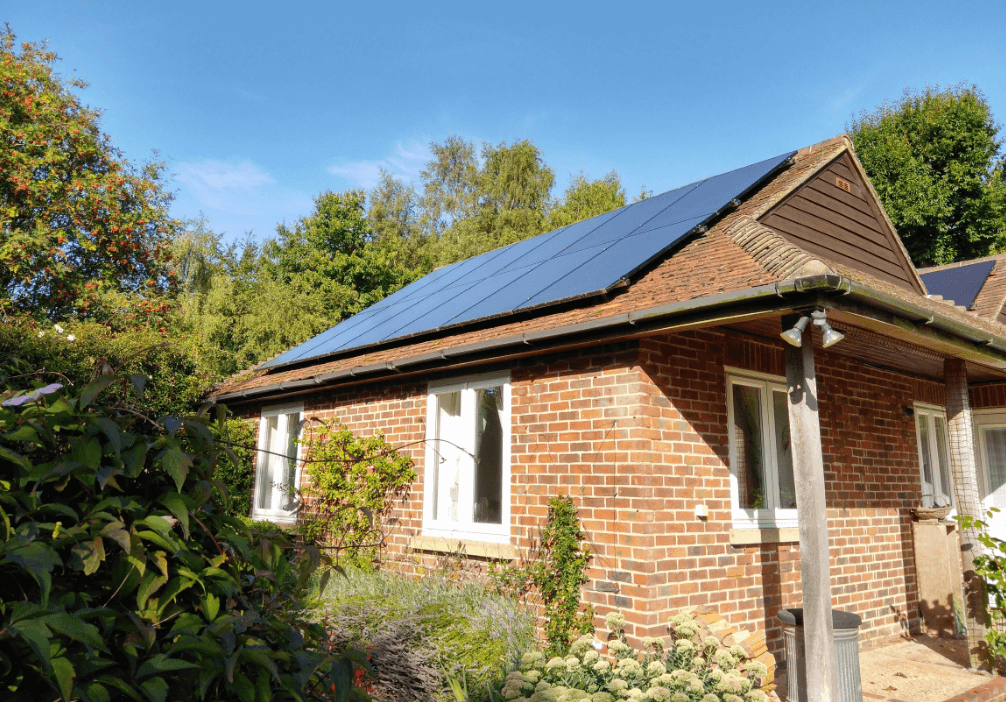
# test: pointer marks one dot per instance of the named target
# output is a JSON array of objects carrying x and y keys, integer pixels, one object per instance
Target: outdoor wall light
[
  {"x": 794, "y": 336},
  {"x": 831, "y": 337}
]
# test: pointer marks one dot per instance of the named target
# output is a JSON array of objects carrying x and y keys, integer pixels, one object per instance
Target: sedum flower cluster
[{"x": 680, "y": 669}]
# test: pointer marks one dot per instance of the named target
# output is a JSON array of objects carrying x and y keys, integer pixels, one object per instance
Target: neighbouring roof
[
  {"x": 737, "y": 252},
  {"x": 979, "y": 285}
]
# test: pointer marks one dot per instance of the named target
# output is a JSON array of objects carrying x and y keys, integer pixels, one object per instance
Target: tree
[
  {"x": 393, "y": 217},
  {"x": 503, "y": 199},
  {"x": 450, "y": 192},
  {"x": 588, "y": 198},
  {"x": 78, "y": 222},
  {"x": 260, "y": 301},
  {"x": 934, "y": 159}
]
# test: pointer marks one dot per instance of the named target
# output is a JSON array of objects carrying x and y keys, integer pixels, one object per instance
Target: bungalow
[{"x": 645, "y": 362}]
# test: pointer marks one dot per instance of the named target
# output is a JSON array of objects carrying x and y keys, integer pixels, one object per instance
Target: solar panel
[
  {"x": 958, "y": 283},
  {"x": 585, "y": 258}
]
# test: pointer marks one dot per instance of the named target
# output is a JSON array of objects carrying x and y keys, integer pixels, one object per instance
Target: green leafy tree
[
  {"x": 506, "y": 198},
  {"x": 255, "y": 302},
  {"x": 394, "y": 219},
  {"x": 79, "y": 225},
  {"x": 450, "y": 185},
  {"x": 934, "y": 159},
  {"x": 588, "y": 198}
]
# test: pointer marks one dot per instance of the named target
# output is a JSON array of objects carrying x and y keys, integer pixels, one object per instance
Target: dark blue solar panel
[
  {"x": 582, "y": 259},
  {"x": 614, "y": 262},
  {"x": 958, "y": 283}
]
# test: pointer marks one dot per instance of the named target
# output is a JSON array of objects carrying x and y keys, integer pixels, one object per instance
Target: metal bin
[{"x": 846, "y": 637}]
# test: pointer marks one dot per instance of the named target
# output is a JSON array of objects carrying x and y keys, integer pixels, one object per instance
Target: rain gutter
[{"x": 793, "y": 294}]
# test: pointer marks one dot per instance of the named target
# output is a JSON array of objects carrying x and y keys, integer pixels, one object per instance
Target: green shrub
[
  {"x": 680, "y": 669},
  {"x": 173, "y": 378},
  {"x": 352, "y": 485},
  {"x": 120, "y": 580},
  {"x": 428, "y": 630}
]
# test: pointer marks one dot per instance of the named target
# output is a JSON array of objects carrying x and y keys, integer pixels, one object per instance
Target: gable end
[{"x": 835, "y": 216}]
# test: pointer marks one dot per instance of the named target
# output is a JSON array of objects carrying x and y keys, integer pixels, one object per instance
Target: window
[
  {"x": 761, "y": 460},
  {"x": 276, "y": 464},
  {"x": 467, "y": 486},
  {"x": 934, "y": 462}
]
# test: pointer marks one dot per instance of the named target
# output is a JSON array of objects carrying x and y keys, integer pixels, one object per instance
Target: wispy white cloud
[
  {"x": 365, "y": 174},
  {"x": 233, "y": 187},
  {"x": 218, "y": 175},
  {"x": 405, "y": 163}
]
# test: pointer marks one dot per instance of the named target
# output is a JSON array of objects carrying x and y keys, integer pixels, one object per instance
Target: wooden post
[
  {"x": 808, "y": 474},
  {"x": 965, "y": 476}
]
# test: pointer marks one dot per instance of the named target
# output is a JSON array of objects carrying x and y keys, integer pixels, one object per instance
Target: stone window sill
[
  {"x": 749, "y": 537},
  {"x": 481, "y": 549}
]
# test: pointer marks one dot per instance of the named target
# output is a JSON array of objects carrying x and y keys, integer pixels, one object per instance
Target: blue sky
[{"x": 260, "y": 106}]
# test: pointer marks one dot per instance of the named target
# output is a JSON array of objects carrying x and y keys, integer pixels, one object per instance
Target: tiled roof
[
  {"x": 709, "y": 264},
  {"x": 735, "y": 254}
]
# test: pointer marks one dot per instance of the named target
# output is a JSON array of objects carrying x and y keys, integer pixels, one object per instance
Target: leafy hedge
[
  {"x": 119, "y": 579},
  {"x": 174, "y": 376}
]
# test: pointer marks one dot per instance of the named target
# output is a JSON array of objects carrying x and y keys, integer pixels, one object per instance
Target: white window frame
[
  {"x": 771, "y": 517},
  {"x": 929, "y": 413},
  {"x": 467, "y": 530},
  {"x": 982, "y": 421},
  {"x": 264, "y": 453}
]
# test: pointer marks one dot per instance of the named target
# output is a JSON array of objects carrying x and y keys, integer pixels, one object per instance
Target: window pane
[
  {"x": 287, "y": 500},
  {"x": 488, "y": 506},
  {"x": 447, "y": 456},
  {"x": 995, "y": 458},
  {"x": 748, "y": 448},
  {"x": 783, "y": 450},
  {"x": 928, "y": 490},
  {"x": 263, "y": 480},
  {"x": 943, "y": 462}
]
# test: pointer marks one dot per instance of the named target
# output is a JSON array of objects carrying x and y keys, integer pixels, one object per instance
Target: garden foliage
[
  {"x": 77, "y": 352},
  {"x": 119, "y": 580},
  {"x": 423, "y": 632},
  {"x": 680, "y": 669}
]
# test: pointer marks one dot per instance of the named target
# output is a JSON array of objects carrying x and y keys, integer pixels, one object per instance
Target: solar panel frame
[{"x": 583, "y": 259}]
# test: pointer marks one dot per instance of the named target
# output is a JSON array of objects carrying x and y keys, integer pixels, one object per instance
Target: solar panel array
[
  {"x": 582, "y": 259},
  {"x": 959, "y": 283}
]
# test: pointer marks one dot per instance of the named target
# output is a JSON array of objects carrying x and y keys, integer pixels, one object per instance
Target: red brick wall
[{"x": 636, "y": 433}]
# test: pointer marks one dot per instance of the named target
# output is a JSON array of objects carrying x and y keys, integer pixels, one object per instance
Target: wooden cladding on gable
[{"x": 834, "y": 216}]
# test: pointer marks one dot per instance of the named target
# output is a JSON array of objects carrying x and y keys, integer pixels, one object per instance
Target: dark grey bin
[{"x": 846, "y": 635}]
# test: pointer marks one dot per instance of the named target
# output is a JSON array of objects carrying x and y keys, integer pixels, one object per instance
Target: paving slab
[{"x": 922, "y": 669}]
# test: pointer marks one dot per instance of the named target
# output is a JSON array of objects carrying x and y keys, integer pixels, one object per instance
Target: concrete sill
[
  {"x": 481, "y": 549},
  {"x": 748, "y": 537}
]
